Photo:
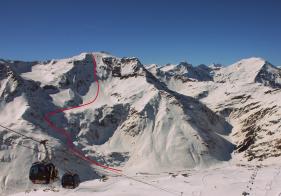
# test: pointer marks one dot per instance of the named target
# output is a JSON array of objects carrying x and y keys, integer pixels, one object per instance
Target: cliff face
[{"x": 136, "y": 122}]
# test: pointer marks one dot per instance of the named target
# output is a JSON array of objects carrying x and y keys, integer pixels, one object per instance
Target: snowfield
[
  {"x": 222, "y": 180},
  {"x": 172, "y": 130}
]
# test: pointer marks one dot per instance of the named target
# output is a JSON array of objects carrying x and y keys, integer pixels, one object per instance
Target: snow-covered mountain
[
  {"x": 145, "y": 118},
  {"x": 247, "y": 94},
  {"x": 183, "y": 71},
  {"x": 136, "y": 123}
]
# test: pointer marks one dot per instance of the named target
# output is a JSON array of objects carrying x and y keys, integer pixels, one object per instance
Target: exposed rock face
[
  {"x": 269, "y": 76},
  {"x": 144, "y": 118},
  {"x": 184, "y": 72},
  {"x": 136, "y": 122},
  {"x": 247, "y": 95}
]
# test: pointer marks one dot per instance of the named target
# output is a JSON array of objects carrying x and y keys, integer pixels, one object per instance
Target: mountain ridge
[{"x": 136, "y": 123}]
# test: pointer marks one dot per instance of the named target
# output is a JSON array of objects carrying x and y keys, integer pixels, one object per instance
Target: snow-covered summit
[
  {"x": 136, "y": 123},
  {"x": 183, "y": 71},
  {"x": 247, "y": 94},
  {"x": 243, "y": 71},
  {"x": 249, "y": 71},
  {"x": 215, "y": 66}
]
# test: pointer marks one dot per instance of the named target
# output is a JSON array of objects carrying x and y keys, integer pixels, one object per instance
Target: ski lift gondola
[
  {"x": 70, "y": 180},
  {"x": 43, "y": 173}
]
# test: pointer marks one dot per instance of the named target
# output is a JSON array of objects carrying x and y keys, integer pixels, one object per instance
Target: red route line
[{"x": 67, "y": 135}]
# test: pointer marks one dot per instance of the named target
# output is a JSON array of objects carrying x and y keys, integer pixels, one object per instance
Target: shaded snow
[
  {"x": 145, "y": 119},
  {"x": 136, "y": 123}
]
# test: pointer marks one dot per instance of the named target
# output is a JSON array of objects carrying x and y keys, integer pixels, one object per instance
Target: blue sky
[{"x": 156, "y": 31}]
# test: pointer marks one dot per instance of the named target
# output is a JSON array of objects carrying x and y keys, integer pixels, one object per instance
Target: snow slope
[
  {"x": 136, "y": 123},
  {"x": 247, "y": 94},
  {"x": 149, "y": 120},
  {"x": 229, "y": 180}
]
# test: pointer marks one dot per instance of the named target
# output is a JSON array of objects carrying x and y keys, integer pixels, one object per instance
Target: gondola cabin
[
  {"x": 70, "y": 180},
  {"x": 42, "y": 173}
]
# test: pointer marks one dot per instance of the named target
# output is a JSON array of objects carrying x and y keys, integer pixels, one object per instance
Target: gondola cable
[
  {"x": 16, "y": 132},
  {"x": 35, "y": 140},
  {"x": 35, "y": 149},
  {"x": 40, "y": 142},
  {"x": 98, "y": 169},
  {"x": 52, "y": 147}
]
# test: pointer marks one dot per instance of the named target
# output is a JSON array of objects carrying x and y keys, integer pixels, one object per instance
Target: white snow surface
[
  {"x": 247, "y": 94},
  {"x": 156, "y": 122},
  {"x": 229, "y": 180},
  {"x": 243, "y": 71}
]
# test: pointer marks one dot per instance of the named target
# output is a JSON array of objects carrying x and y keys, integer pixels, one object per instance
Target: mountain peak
[
  {"x": 185, "y": 64},
  {"x": 269, "y": 75},
  {"x": 215, "y": 66},
  {"x": 250, "y": 70},
  {"x": 251, "y": 62},
  {"x": 243, "y": 71}
]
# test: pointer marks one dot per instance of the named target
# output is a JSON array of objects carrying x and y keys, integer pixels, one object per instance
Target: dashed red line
[{"x": 71, "y": 147}]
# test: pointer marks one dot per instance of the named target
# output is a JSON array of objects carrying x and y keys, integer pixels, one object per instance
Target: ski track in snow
[{"x": 65, "y": 133}]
